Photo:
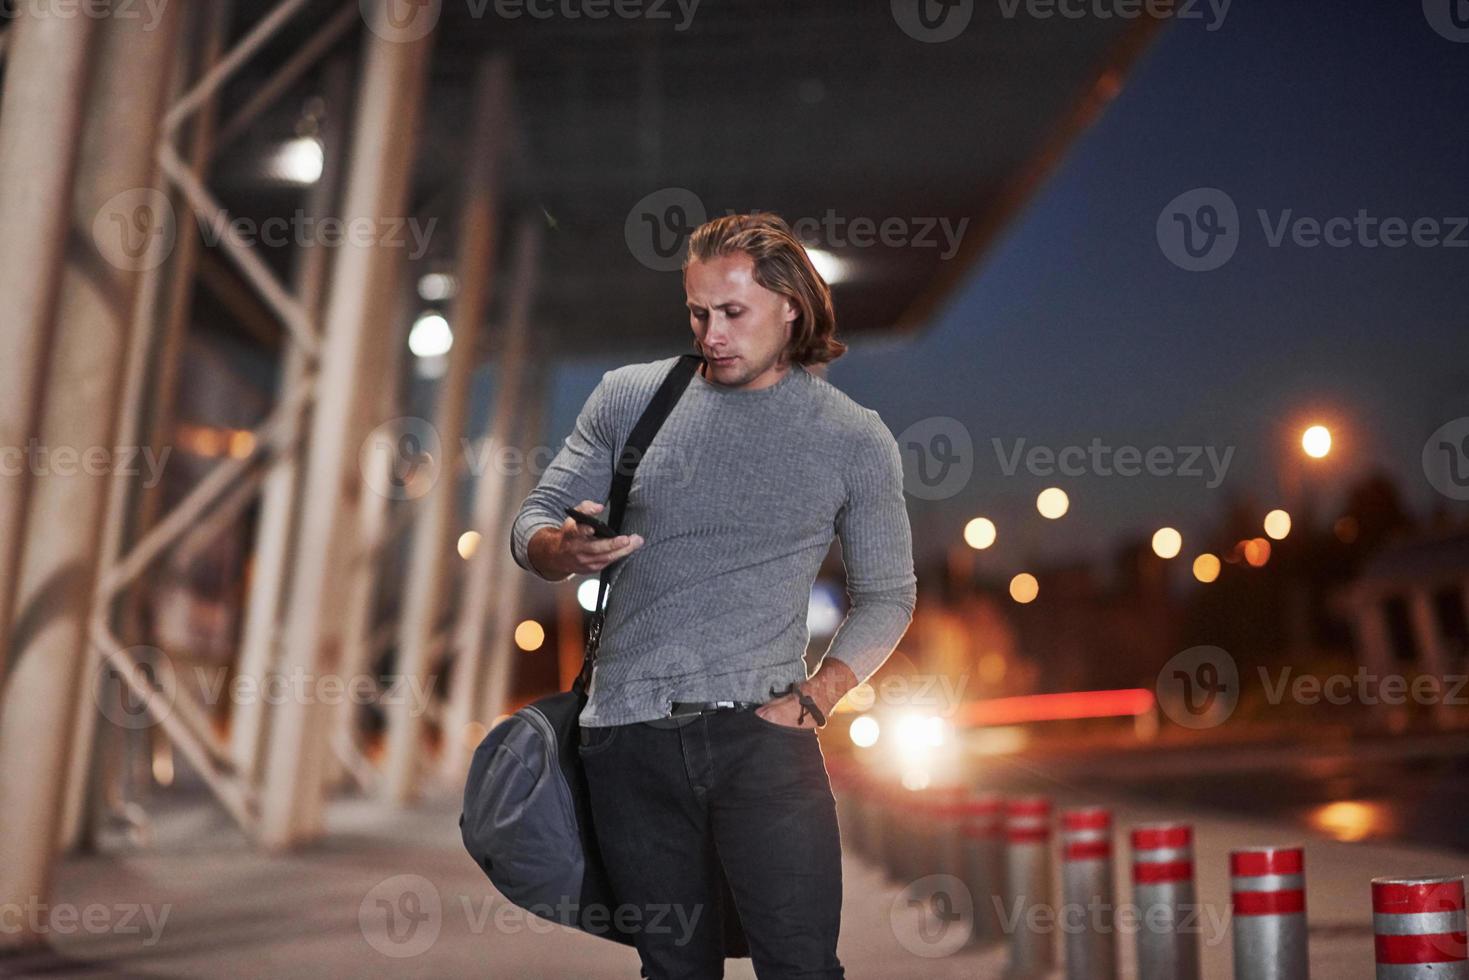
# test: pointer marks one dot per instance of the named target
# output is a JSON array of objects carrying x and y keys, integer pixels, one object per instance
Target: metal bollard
[
  {"x": 1419, "y": 927},
  {"x": 1028, "y": 874},
  {"x": 1268, "y": 892},
  {"x": 1087, "y": 884},
  {"x": 1163, "y": 888},
  {"x": 982, "y": 842}
]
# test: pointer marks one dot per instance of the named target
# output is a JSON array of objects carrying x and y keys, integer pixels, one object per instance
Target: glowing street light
[
  {"x": 1316, "y": 441},
  {"x": 1206, "y": 567},
  {"x": 1277, "y": 524},
  {"x": 979, "y": 533},
  {"x": 468, "y": 544},
  {"x": 430, "y": 336},
  {"x": 1052, "y": 502},
  {"x": 1167, "y": 542}
]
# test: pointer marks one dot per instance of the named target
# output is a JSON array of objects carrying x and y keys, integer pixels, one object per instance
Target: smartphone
[{"x": 599, "y": 530}]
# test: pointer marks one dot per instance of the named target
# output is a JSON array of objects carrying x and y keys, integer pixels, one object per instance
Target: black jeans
[{"x": 727, "y": 787}]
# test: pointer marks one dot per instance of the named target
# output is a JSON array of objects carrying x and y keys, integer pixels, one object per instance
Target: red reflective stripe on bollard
[
  {"x": 1154, "y": 838},
  {"x": 1091, "y": 850},
  {"x": 1270, "y": 903},
  {"x": 1435, "y": 895},
  {"x": 1039, "y": 836},
  {"x": 1445, "y": 947},
  {"x": 1086, "y": 820},
  {"x": 1286, "y": 861},
  {"x": 1159, "y": 872}
]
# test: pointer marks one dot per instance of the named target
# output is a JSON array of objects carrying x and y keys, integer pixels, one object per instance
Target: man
[{"x": 697, "y": 763}]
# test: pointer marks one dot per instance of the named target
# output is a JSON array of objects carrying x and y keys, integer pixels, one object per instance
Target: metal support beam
[
  {"x": 383, "y": 145},
  {"x": 433, "y": 541},
  {"x": 489, "y": 517},
  {"x": 155, "y": 339},
  {"x": 278, "y": 504},
  {"x": 40, "y": 132},
  {"x": 64, "y": 515}
]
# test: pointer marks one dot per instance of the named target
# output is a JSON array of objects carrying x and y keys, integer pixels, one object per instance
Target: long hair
[{"x": 781, "y": 266}]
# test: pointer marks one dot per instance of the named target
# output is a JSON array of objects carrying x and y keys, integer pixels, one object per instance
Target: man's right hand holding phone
[{"x": 575, "y": 549}]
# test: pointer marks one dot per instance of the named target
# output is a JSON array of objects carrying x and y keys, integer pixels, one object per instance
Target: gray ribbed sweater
[{"x": 737, "y": 500}]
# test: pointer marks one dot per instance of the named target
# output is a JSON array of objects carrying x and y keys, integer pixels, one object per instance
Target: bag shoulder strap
[{"x": 638, "y": 441}]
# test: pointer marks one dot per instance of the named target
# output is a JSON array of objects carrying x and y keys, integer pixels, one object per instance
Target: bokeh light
[
  {"x": 1316, "y": 441},
  {"x": 1053, "y": 503},
  {"x": 1277, "y": 524},
  {"x": 1167, "y": 542},
  {"x": 979, "y": 533},
  {"x": 1024, "y": 588},
  {"x": 1206, "y": 567}
]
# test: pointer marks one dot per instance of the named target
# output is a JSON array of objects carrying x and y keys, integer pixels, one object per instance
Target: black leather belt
[
  {"x": 699, "y": 707},
  {"x": 683, "y": 712}
]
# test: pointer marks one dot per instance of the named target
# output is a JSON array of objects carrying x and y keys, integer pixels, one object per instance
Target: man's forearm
[
  {"x": 832, "y": 680},
  {"x": 538, "y": 553}
]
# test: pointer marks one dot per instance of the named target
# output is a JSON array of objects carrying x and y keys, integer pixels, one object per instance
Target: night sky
[{"x": 1077, "y": 326}]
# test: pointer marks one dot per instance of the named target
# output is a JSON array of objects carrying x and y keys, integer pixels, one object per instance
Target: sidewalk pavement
[{"x": 201, "y": 903}]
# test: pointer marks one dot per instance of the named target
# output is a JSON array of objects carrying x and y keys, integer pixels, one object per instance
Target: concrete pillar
[
  {"x": 63, "y": 517},
  {"x": 489, "y": 518},
  {"x": 383, "y": 144},
  {"x": 434, "y": 536},
  {"x": 40, "y": 132},
  {"x": 1374, "y": 648}
]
